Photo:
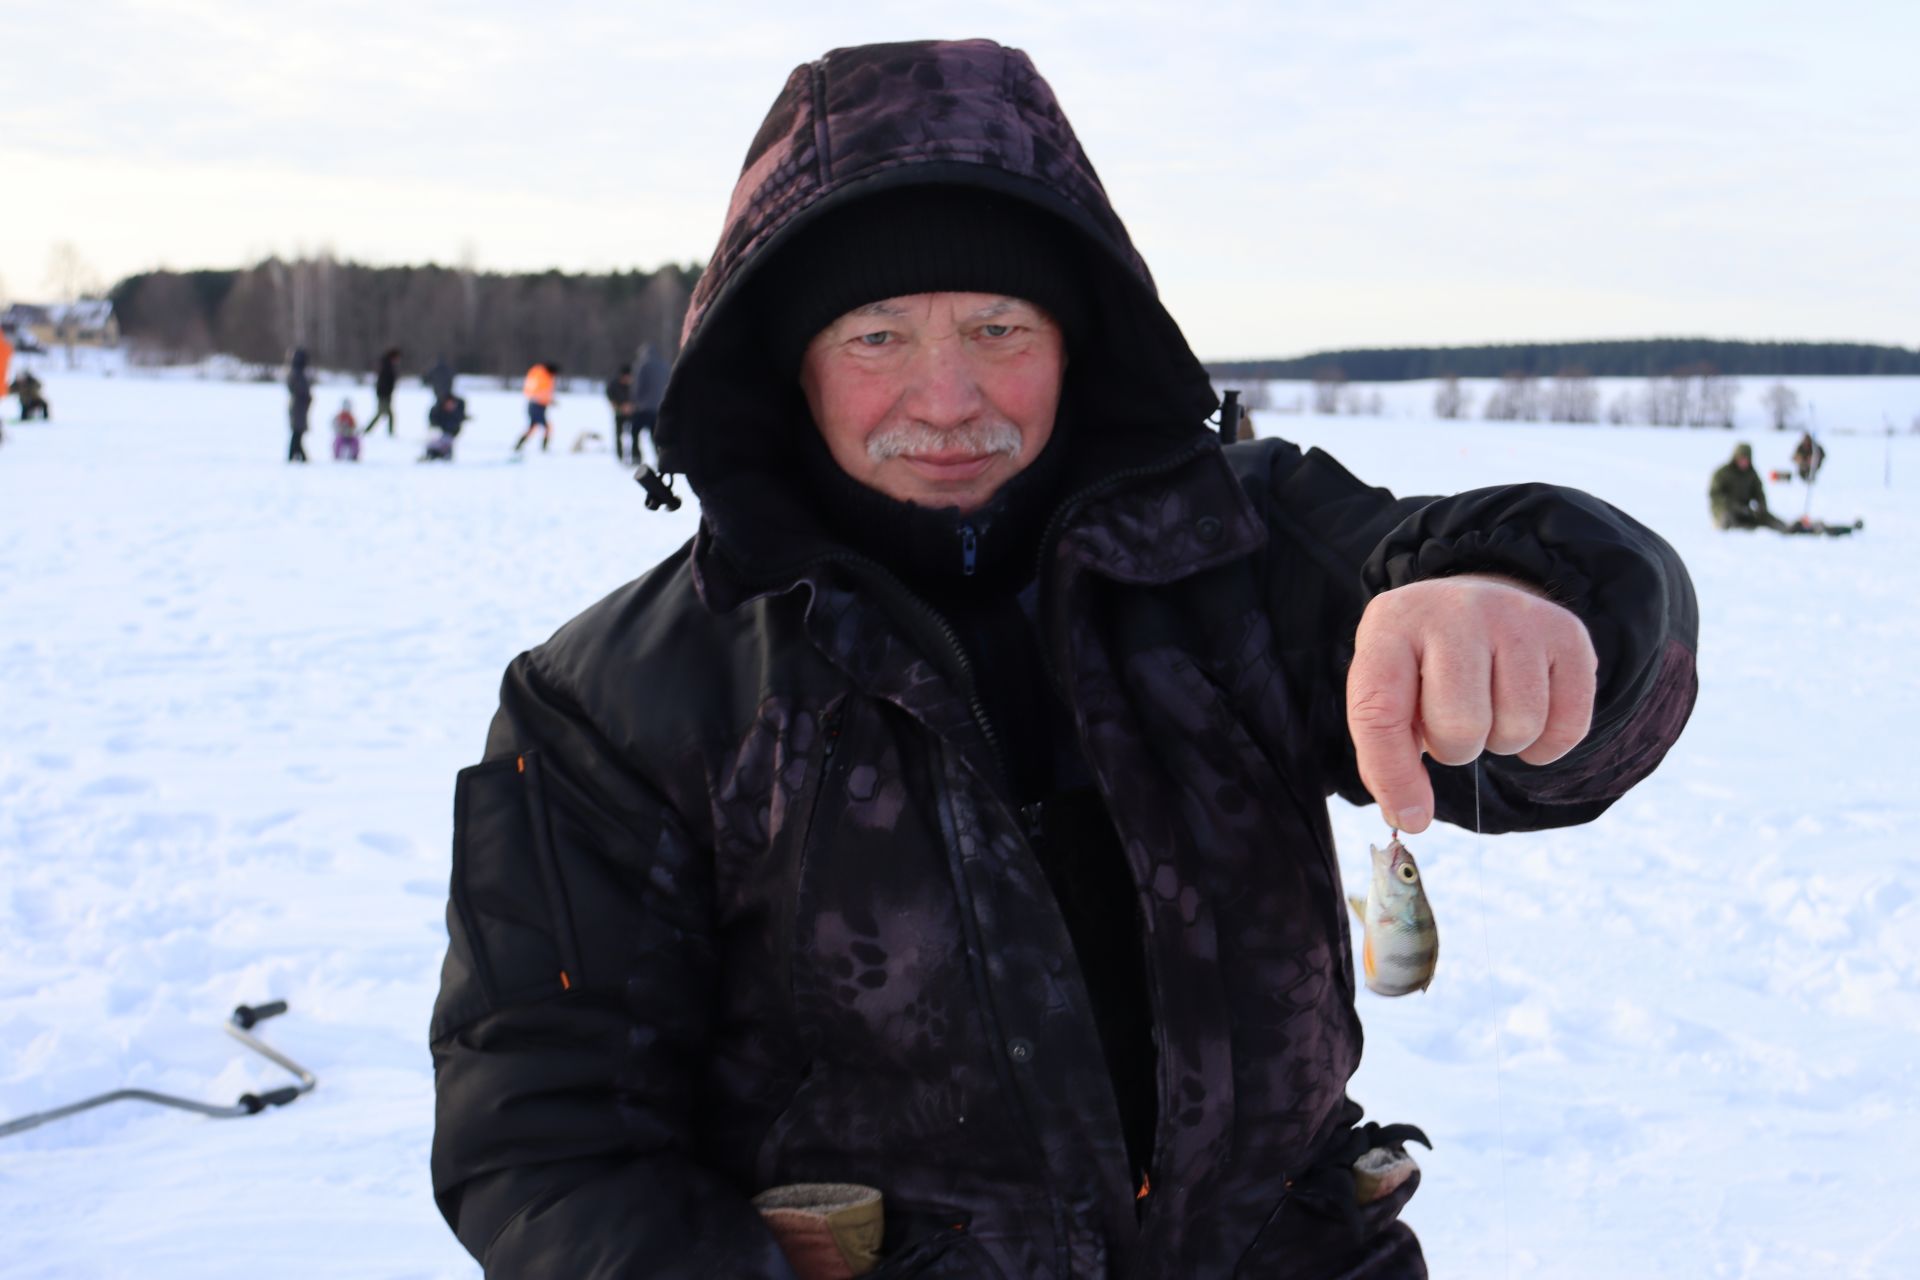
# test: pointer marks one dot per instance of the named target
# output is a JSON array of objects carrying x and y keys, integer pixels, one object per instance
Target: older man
[{"x": 947, "y": 818}]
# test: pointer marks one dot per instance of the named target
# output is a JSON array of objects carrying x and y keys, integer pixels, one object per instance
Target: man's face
[
  {"x": 1742, "y": 461},
  {"x": 936, "y": 398}
]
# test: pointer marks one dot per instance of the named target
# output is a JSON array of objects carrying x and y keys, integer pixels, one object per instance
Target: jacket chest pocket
[{"x": 508, "y": 903}]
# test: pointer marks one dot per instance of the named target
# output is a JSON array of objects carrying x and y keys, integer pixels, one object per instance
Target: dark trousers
[
  {"x": 640, "y": 421},
  {"x": 536, "y": 421},
  {"x": 297, "y": 423},
  {"x": 1737, "y": 518},
  {"x": 383, "y": 409}
]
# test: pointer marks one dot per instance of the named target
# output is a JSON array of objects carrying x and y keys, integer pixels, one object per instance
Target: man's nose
[{"x": 944, "y": 391}]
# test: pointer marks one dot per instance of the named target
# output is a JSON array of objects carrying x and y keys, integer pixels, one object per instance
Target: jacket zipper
[
  {"x": 830, "y": 733},
  {"x": 976, "y": 705},
  {"x": 969, "y": 550}
]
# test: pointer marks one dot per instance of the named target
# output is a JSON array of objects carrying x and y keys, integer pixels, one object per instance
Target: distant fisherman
[{"x": 1739, "y": 500}]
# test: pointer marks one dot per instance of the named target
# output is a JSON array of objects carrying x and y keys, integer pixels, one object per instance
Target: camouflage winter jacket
[
  {"x": 1737, "y": 491},
  {"x": 738, "y": 899}
]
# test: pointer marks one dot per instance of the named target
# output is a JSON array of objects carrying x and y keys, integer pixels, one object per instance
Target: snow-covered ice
[{"x": 1683, "y": 1041}]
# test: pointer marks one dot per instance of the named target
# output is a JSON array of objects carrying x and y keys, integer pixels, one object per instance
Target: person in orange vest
[{"x": 538, "y": 390}]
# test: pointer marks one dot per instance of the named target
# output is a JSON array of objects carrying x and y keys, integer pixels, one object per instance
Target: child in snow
[
  {"x": 346, "y": 438},
  {"x": 446, "y": 418}
]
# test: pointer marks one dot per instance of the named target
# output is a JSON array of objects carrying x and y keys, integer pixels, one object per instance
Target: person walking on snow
[
  {"x": 947, "y": 816},
  {"x": 299, "y": 404},
  {"x": 538, "y": 389},
  {"x": 649, "y": 385},
  {"x": 440, "y": 378},
  {"x": 386, "y": 376},
  {"x": 620, "y": 400}
]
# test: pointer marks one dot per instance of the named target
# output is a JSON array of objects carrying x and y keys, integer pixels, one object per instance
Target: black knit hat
[{"x": 923, "y": 239}]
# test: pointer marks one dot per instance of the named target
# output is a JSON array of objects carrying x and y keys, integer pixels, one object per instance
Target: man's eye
[
  {"x": 995, "y": 330},
  {"x": 879, "y": 339}
]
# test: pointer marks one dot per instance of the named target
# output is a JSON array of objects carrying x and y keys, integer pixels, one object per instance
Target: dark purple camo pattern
[
  {"x": 857, "y": 113},
  {"x": 925, "y": 943},
  {"x": 878, "y": 985}
]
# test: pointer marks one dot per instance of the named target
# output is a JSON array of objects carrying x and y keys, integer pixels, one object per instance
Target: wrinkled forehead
[{"x": 964, "y": 307}]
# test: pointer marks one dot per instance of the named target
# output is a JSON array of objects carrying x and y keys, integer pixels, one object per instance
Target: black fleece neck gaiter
[{"x": 942, "y": 553}]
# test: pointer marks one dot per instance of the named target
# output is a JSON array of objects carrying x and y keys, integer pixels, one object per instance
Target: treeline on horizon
[
  {"x": 484, "y": 322},
  {"x": 1643, "y": 358},
  {"x": 346, "y": 313}
]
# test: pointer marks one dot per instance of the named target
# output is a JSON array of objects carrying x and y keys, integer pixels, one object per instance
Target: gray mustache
[{"x": 978, "y": 439}]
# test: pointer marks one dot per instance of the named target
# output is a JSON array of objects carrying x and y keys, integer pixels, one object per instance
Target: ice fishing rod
[{"x": 240, "y": 1027}]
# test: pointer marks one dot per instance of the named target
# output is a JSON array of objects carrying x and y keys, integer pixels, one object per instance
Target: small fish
[{"x": 1401, "y": 944}]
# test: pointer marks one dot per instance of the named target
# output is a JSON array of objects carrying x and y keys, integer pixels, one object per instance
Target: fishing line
[{"x": 1499, "y": 1089}]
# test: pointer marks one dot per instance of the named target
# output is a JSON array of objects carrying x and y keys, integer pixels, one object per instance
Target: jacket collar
[{"x": 1171, "y": 515}]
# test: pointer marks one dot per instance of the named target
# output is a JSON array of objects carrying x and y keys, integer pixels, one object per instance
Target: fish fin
[{"x": 1359, "y": 905}]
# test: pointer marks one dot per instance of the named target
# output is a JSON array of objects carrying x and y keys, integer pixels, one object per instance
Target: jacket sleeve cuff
[{"x": 1622, "y": 580}]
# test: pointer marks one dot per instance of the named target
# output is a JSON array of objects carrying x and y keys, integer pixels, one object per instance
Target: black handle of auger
[
  {"x": 1229, "y": 417},
  {"x": 258, "y": 1102},
  {"x": 659, "y": 491},
  {"x": 247, "y": 1015}
]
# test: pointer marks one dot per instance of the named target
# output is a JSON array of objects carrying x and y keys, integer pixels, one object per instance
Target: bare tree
[
  {"x": 1781, "y": 402},
  {"x": 1620, "y": 409},
  {"x": 1327, "y": 385},
  {"x": 1695, "y": 395},
  {"x": 1719, "y": 396},
  {"x": 71, "y": 279},
  {"x": 1573, "y": 397},
  {"x": 1450, "y": 401},
  {"x": 68, "y": 274},
  {"x": 1666, "y": 401},
  {"x": 1516, "y": 399},
  {"x": 312, "y": 292}
]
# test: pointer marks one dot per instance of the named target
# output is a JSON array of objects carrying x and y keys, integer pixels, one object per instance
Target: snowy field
[{"x": 1681, "y": 1042}]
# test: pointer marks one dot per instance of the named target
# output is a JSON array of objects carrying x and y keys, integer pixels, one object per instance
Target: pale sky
[{"x": 1298, "y": 175}]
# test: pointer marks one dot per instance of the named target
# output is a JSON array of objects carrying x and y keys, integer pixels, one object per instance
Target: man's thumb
[{"x": 1383, "y": 693}]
